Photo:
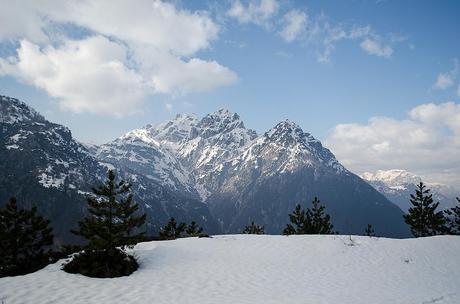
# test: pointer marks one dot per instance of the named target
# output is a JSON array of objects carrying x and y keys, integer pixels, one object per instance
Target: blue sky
[{"x": 340, "y": 65}]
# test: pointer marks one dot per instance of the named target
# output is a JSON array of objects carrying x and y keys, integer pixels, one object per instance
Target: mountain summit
[{"x": 211, "y": 169}]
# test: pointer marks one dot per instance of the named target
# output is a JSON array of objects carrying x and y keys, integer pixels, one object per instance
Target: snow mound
[{"x": 263, "y": 269}]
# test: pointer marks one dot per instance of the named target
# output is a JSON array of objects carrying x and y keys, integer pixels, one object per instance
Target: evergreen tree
[
  {"x": 311, "y": 221},
  {"x": 369, "y": 230},
  {"x": 193, "y": 229},
  {"x": 254, "y": 229},
  {"x": 453, "y": 219},
  {"x": 109, "y": 225},
  {"x": 24, "y": 237},
  {"x": 299, "y": 222},
  {"x": 172, "y": 230},
  {"x": 111, "y": 220},
  {"x": 422, "y": 217},
  {"x": 320, "y": 222}
]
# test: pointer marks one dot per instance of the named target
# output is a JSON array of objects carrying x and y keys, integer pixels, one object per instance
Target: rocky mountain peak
[
  {"x": 221, "y": 121},
  {"x": 393, "y": 177},
  {"x": 13, "y": 111}
]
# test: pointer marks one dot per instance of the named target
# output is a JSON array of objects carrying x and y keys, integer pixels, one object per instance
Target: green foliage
[
  {"x": 102, "y": 263},
  {"x": 369, "y": 231},
  {"x": 172, "y": 230},
  {"x": 453, "y": 219},
  {"x": 254, "y": 229},
  {"x": 110, "y": 224},
  {"x": 422, "y": 217},
  {"x": 24, "y": 237},
  {"x": 193, "y": 229},
  {"x": 310, "y": 221},
  {"x": 111, "y": 220}
]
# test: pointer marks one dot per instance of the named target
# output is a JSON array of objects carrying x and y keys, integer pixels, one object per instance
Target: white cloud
[
  {"x": 150, "y": 49},
  {"x": 322, "y": 34},
  {"x": 427, "y": 142},
  {"x": 256, "y": 11},
  {"x": 375, "y": 47},
  {"x": 295, "y": 22},
  {"x": 446, "y": 80},
  {"x": 84, "y": 75}
]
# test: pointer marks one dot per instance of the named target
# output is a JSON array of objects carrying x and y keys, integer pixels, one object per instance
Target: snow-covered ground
[{"x": 263, "y": 269}]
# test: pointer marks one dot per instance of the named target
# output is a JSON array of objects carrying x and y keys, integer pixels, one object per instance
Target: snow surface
[{"x": 263, "y": 269}]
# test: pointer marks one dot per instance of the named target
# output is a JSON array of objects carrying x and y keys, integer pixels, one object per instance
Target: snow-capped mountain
[
  {"x": 287, "y": 166},
  {"x": 139, "y": 152},
  {"x": 397, "y": 185},
  {"x": 42, "y": 165},
  {"x": 242, "y": 176},
  {"x": 212, "y": 170}
]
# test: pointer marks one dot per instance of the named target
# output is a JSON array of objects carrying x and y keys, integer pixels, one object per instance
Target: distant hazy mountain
[
  {"x": 42, "y": 165},
  {"x": 397, "y": 185}
]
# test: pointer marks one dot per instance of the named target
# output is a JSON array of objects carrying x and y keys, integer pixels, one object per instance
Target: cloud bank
[
  {"x": 427, "y": 142},
  {"x": 125, "y": 52}
]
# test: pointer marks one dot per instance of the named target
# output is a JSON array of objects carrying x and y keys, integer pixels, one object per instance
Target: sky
[{"x": 378, "y": 82}]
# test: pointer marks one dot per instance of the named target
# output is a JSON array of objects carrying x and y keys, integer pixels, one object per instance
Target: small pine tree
[
  {"x": 24, "y": 236},
  {"x": 298, "y": 221},
  {"x": 369, "y": 231},
  {"x": 254, "y": 229},
  {"x": 422, "y": 217},
  {"x": 193, "y": 229},
  {"x": 109, "y": 225},
  {"x": 111, "y": 220},
  {"x": 320, "y": 222},
  {"x": 172, "y": 230},
  {"x": 311, "y": 221},
  {"x": 453, "y": 219}
]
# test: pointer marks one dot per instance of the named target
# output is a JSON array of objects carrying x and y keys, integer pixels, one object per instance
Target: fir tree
[
  {"x": 320, "y": 222},
  {"x": 453, "y": 219},
  {"x": 299, "y": 222},
  {"x": 369, "y": 231},
  {"x": 311, "y": 221},
  {"x": 422, "y": 217},
  {"x": 110, "y": 224},
  {"x": 193, "y": 229},
  {"x": 254, "y": 229},
  {"x": 24, "y": 237},
  {"x": 172, "y": 230},
  {"x": 111, "y": 220}
]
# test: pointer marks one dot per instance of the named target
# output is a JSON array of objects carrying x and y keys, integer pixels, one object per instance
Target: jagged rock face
[
  {"x": 138, "y": 152},
  {"x": 209, "y": 170},
  {"x": 397, "y": 186},
  {"x": 287, "y": 166},
  {"x": 43, "y": 166},
  {"x": 244, "y": 177}
]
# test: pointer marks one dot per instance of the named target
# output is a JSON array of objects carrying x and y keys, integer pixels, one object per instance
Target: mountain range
[
  {"x": 397, "y": 185},
  {"x": 212, "y": 170}
]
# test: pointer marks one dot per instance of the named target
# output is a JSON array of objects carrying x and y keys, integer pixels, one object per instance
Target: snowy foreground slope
[{"x": 263, "y": 269}]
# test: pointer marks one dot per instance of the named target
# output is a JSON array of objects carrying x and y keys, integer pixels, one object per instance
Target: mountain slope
[
  {"x": 43, "y": 165},
  {"x": 287, "y": 166}
]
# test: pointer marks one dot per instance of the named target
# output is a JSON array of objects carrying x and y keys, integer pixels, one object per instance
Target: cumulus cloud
[
  {"x": 83, "y": 74},
  {"x": 255, "y": 11},
  {"x": 427, "y": 142},
  {"x": 295, "y": 22},
  {"x": 126, "y": 52}
]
